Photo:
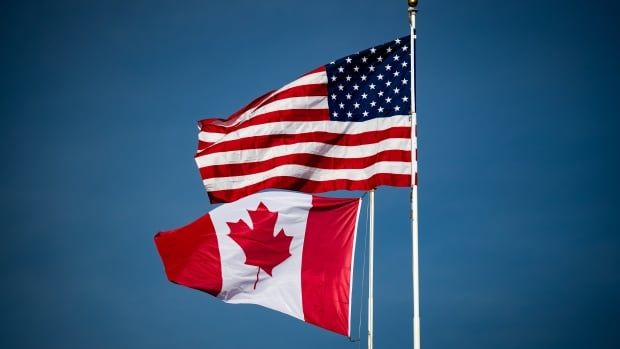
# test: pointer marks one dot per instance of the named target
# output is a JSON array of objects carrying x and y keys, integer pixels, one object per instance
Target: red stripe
[
  {"x": 230, "y": 119},
  {"x": 274, "y": 116},
  {"x": 314, "y": 90},
  {"x": 310, "y": 186},
  {"x": 300, "y": 91},
  {"x": 326, "y": 262},
  {"x": 202, "y": 146},
  {"x": 343, "y": 139},
  {"x": 191, "y": 255},
  {"x": 296, "y": 91},
  {"x": 319, "y": 69},
  {"x": 318, "y": 161}
]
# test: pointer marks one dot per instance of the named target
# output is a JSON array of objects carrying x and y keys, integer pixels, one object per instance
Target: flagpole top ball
[{"x": 412, "y": 3}]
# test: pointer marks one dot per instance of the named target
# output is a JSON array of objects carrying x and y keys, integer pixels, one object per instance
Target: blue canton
[{"x": 372, "y": 83}]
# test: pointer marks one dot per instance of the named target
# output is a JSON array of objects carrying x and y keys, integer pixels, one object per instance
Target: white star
[
  {"x": 356, "y": 68},
  {"x": 380, "y": 77},
  {"x": 372, "y": 86},
  {"x": 365, "y": 113},
  {"x": 396, "y": 90},
  {"x": 389, "y": 49},
  {"x": 371, "y": 68},
  {"x": 396, "y": 73},
  {"x": 404, "y": 64},
  {"x": 349, "y": 114},
  {"x": 405, "y": 48},
  {"x": 388, "y": 100},
  {"x": 404, "y": 81},
  {"x": 341, "y": 105},
  {"x": 348, "y": 78},
  {"x": 396, "y": 57},
  {"x": 356, "y": 105},
  {"x": 380, "y": 93},
  {"x": 348, "y": 60},
  {"x": 363, "y": 77},
  {"x": 397, "y": 41},
  {"x": 333, "y": 77},
  {"x": 340, "y": 87},
  {"x": 380, "y": 59},
  {"x": 364, "y": 59},
  {"x": 348, "y": 96},
  {"x": 332, "y": 62},
  {"x": 388, "y": 83},
  {"x": 333, "y": 96},
  {"x": 373, "y": 103},
  {"x": 335, "y": 114},
  {"x": 405, "y": 98},
  {"x": 373, "y": 50},
  {"x": 397, "y": 108},
  {"x": 341, "y": 69},
  {"x": 380, "y": 109},
  {"x": 355, "y": 87},
  {"x": 364, "y": 96},
  {"x": 388, "y": 67}
]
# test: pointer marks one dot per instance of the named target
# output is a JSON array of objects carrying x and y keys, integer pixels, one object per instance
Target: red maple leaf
[{"x": 261, "y": 247}]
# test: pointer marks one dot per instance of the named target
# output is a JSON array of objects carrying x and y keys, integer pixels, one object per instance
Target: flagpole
[
  {"x": 412, "y": 9},
  {"x": 371, "y": 264}
]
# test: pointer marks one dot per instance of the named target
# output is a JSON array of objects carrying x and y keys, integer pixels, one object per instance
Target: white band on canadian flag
[{"x": 238, "y": 278}]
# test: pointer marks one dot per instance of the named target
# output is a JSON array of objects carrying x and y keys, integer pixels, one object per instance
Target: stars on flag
[{"x": 372, "y": 83}]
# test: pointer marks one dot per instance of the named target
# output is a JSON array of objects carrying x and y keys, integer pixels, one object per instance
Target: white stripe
[
  {"x": 314, "y": 78},
  {"x": 305, "y": 102},
  {"x": 308, "y": 102},
  {"x": 310, "y": 173},
  {"x": 310, "y": 79},
  {"x": 316, "y": 148},
  {"x": 294, "y": 127}
]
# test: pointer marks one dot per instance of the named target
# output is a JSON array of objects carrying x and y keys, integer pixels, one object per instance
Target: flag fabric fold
[
  {"x": 342, "y": 126},
  {"x": 291, "y": 252}
]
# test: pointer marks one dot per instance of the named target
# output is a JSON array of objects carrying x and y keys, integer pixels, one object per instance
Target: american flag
[{"x": 342, "y": 126}]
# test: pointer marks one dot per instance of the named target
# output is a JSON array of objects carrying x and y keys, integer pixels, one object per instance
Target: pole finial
[{"x": 412, "y": 3}]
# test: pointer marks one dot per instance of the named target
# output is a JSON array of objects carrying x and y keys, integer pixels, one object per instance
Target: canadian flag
[{"x": 286, "y": 251}]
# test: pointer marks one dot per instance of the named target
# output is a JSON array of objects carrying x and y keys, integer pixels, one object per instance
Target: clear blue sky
[{"x": 518, "y": 112}]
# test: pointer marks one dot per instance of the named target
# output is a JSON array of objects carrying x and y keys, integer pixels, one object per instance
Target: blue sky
[{"x": 518, "y": 115}]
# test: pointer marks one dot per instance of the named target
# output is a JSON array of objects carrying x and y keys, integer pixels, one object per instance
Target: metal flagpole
[
  {"x": 371, "y": 243},
  {"x": 412, "y": 9}
]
